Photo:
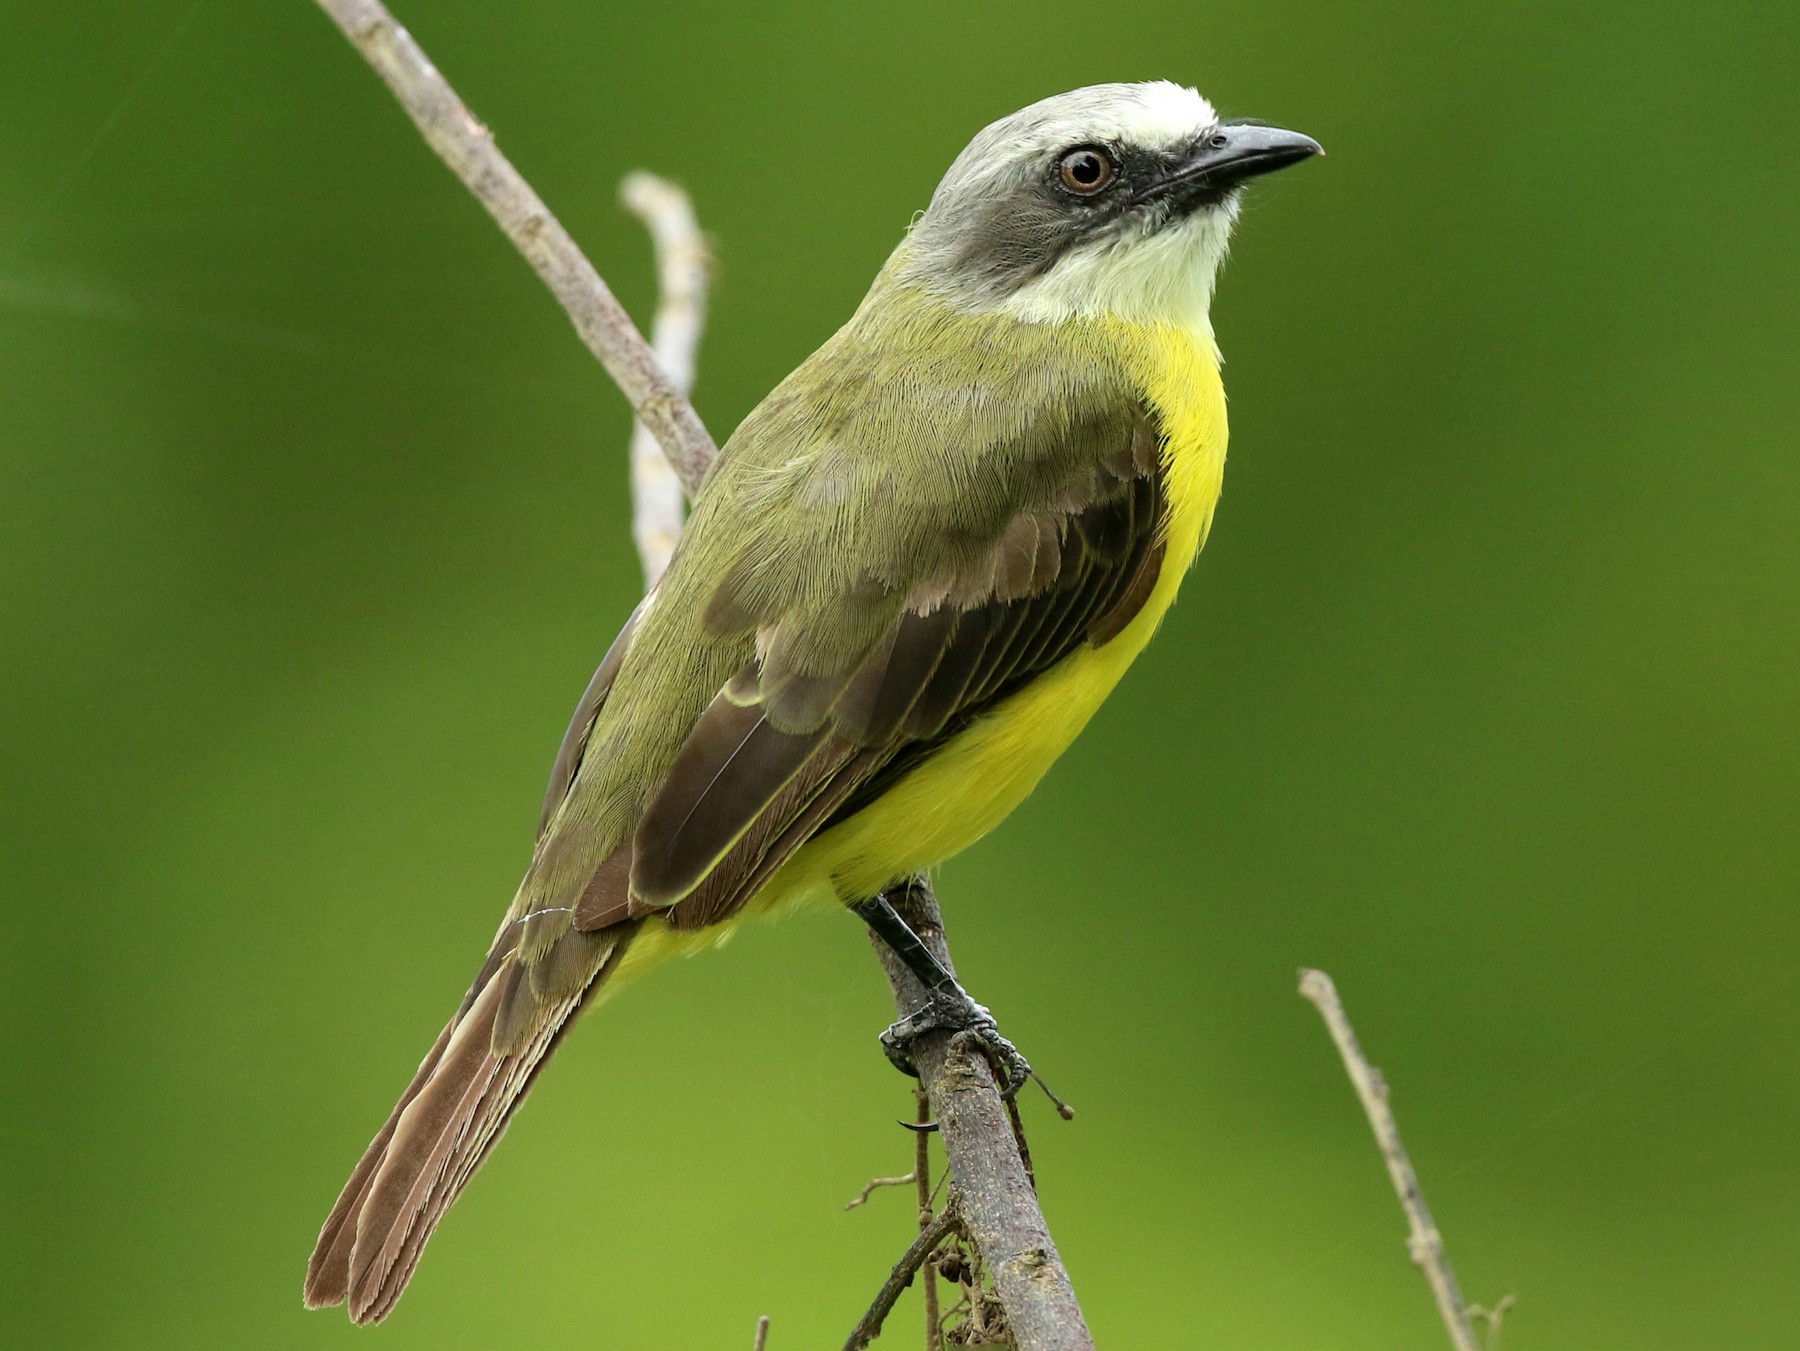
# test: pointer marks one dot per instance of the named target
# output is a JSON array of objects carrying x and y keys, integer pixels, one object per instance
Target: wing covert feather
[{"x": 816, "y": 725}]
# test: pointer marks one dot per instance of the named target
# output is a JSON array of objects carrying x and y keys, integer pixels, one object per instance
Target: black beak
[{"x": 1226, "y": 156}]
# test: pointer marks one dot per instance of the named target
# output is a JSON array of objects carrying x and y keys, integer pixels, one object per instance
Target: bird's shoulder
[{"x": 901, "y": 451}]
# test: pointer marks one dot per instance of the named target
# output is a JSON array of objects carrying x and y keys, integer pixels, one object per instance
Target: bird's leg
[{"x": 947, "y": 1007}]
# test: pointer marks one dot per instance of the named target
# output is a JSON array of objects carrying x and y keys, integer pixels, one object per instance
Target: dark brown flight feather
[{"x": 725, "y": 803}]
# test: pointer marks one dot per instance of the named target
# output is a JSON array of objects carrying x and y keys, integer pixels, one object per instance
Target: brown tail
[{"x": 450, "y": 1116}]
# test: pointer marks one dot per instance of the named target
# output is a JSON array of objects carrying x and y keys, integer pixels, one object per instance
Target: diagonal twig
[
  {"x": 468, "y": 148},
  {"x": 1423, "y": 1243},
  {"x": 869, "y": 1326}
]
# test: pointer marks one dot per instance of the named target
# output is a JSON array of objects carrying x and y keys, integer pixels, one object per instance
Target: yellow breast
[{"x": 971, "y": 784}]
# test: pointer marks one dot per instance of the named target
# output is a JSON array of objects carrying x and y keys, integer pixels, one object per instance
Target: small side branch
[
  {"x": 870, "y": 1187},
  {"x": 934, "y": 1323},
  {"x": 681, "y": 275},
  {"x": 1494, "y": 1318},
  {"x": 996, "y": 1201},
  {"x": 1423, "y": 1243},
  {"x": 902, "y": 1276},
  {"x": 468, "y": 148}
]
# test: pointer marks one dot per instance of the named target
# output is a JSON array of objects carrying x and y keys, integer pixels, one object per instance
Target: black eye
[{"x": 1085, "y": 171}]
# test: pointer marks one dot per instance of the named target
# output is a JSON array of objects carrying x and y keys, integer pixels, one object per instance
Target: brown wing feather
[
  {"x": 732, "y": 768},
  {"x": 742, "y": 793},
  {"x": 1095, "y": 606},
  {"x": 772, "y": 837}
]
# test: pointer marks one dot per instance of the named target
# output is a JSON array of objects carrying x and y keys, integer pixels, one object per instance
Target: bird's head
[{"x": 1117, "y": 199}]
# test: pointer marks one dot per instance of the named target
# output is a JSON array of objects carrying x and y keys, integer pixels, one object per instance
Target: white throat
[{"x": 1163, "y": 279}]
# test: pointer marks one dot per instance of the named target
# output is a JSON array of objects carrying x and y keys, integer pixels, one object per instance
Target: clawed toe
[
  {"x": 954, "y": 1011},
  {"x": 947, "y": 1008}
]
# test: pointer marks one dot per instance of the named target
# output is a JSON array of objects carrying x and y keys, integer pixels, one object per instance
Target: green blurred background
[{"x": 312, "y": 526}]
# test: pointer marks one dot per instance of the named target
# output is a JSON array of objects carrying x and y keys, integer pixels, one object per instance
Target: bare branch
[
  {"x": 870, "y": 1187},
  {"x": 468, "y": 148},
  {"x": 762, "y": 1334},
  {"x": 1423, "y": 1243},
  {"x": 996, "y": 1201},
  {"x": 869, "y": 1327},
  {"x": 681, "y": 273}
]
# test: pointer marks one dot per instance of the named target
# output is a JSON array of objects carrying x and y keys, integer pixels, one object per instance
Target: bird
[{"x": 911, "y": 576}]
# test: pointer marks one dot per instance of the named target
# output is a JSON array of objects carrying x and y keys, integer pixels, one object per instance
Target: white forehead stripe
[
  {"x": 1163, "y": 113},
  {"x": 1158, "y": 115}
]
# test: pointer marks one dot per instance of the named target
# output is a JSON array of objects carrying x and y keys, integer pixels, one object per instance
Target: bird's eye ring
[{"x": 1086, "y": 170}]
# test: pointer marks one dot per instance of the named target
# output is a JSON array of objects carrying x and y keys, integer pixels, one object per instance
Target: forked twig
[
  {"x": 1494, "y": 1318},
  {"x": 869, "y": 1326},
  {"x": 1423, "y": 1243}
]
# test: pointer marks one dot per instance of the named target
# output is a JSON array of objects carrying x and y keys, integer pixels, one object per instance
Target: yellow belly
[
  {"x": 972, "y": 784},
  {"x": 975, "y": 780}
]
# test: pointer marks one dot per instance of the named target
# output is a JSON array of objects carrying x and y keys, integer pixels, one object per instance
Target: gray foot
[{"x": 954, "y": 1011}]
